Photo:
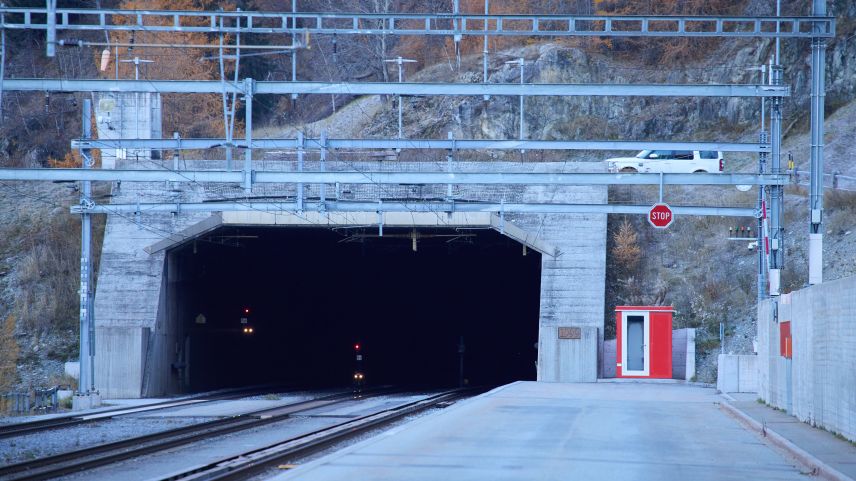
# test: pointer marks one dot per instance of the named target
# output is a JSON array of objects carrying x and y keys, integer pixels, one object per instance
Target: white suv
[{"x": 668, "y": 161}]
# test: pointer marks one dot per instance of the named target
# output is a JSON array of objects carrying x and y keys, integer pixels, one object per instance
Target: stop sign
[{"x": 660, "y": 216}]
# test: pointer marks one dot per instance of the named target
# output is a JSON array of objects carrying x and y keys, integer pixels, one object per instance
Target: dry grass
[
  {"x": 840, "y": 200},
  {"x": 8, "y": 354},
  {"x": 48, "y": 275}
]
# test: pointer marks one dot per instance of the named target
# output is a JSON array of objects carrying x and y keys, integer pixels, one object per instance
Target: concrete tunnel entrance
[{"x": 312, "y": 293}]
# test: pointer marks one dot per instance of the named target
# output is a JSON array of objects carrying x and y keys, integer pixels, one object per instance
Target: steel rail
[
  {"x": 109, "y": 453},
  {"x": 244, "y": 465},
  {"x": 404, "y": 88},
  {"x": 20, "y": 429},
  {"x": 376, "y": 177},
  {"x": 404, "y": 144},
  {"x": 84, "y": 19}
]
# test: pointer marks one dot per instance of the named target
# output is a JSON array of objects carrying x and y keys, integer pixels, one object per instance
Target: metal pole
[
  {"x": 818, "y": 81},
  {"x": 294, "y": 52},
  {"x": 400, "y": 108},
  {"x": 456, "y": 9},
  {"x": 778, "y": 29},
  {"x": 322, "y": 188},
  {"x": 400, "y": 62},
  {"x": 86, "y": 383},
  {"x": 248, "y": 132},
  {"x": 450, "y": 159},
  {"x": 225, "y": 96},
  {"x": 2, "y": 60},
  {"x": 762, "y": 257},
  {"x": 776, "y": 192},
  {"x": 521, "y": 99},
  {"x": 236, "y": 75},
  {"x": 762, "y": 166},
  {"x": 300, "y": 169},
  {"x": 484, "y": 51},
  {"x": 50, "y": 46}
]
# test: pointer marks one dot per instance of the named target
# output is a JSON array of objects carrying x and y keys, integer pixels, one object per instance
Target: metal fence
[
  {"x": 830, "y": 181},
  {"x": 35, "y": 401}
]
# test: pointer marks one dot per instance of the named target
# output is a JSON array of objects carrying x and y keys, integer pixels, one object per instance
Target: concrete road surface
[{"x": 541, "y": 431}]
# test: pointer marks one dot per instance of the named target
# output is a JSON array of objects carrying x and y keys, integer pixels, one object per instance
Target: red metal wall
[
  {"x": 660, "y": 348},
  {"x": 785, "y": 343}
]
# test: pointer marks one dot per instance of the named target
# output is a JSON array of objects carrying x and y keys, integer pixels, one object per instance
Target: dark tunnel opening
[{"x": 312, "y": 294}]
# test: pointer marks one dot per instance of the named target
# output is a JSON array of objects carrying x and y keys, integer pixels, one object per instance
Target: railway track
[
  {"x": 245, "y": 465},
  {"x": 75, "y": 461},
  {"x": 30, "y": 427}
]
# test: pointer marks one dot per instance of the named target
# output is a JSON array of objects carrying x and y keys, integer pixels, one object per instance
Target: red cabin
[{"x": 643, "y": 340}]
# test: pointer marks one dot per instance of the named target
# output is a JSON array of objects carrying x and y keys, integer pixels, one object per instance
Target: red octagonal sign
[{"x": 660, "y": 216}]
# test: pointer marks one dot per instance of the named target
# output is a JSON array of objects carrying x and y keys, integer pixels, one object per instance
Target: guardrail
[
  {"x": 37, "y": 400},
  {"x": 832, "y": 181}
]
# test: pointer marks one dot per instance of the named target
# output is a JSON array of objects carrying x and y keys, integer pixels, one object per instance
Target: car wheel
[
  {"x": 628, "y": 169},
  {"x": 700, "y": 171}
]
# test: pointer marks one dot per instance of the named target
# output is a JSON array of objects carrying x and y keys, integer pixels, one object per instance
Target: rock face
[{"x": 639, "y": 118}]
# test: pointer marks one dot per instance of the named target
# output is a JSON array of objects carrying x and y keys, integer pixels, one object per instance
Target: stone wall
[{"x": 683, "y": 354}]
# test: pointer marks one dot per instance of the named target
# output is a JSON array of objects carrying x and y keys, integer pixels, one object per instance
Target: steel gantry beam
[
  {"x": 372, "y": 177},
  {"x": 405, "y": 88},
  {"x": 442, "y": 24},
  {"x": 414, "y": 206},
  {"x": 447, "y": 144}
]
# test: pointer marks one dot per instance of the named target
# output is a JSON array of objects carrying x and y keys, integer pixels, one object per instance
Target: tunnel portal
[{"x": 267, "y": 305}]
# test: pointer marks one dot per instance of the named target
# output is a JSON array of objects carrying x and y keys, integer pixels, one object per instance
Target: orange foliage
[
  {"x": 72, "y": 160},
  {"x": 196, "y": 115},
  {"x": 663, "y": 50}
]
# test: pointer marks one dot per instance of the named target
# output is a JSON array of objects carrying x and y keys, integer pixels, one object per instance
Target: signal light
[
  {"x": 356, "y": 347},
  {"x": 246, "y": 310}
]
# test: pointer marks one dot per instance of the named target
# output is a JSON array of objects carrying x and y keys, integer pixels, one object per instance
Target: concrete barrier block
[
  {"x": 85, "y": 401},
  {"x": 728, "y": 372},
  {"x": 609, "y": 359},
  {"x": 747, "y": 366},
  {"x": 72, "y": 369}
]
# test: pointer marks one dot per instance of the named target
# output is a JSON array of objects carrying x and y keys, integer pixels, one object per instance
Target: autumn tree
[
  {"x": 625, "y": 250},
  {"x": 198, "y": 115},
  {"x": 664, "y": 50}
]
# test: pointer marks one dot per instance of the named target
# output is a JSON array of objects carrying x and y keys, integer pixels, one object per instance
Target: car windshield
[{"x": 643, "y": 154}]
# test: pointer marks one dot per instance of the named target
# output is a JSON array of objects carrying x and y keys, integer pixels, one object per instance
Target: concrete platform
[
  {"x": 836, "y": 453},
  {"x": 546, "y": 431}
]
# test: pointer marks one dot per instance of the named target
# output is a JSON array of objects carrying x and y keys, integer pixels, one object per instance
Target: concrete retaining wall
[
  {"x": 683, "y": 354},
  {"x": 818, "y": 385},
  {"x": 572, "y": 360},
  {"x": 737, "y": 373},
  {"x": 120, "y": 352}
]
